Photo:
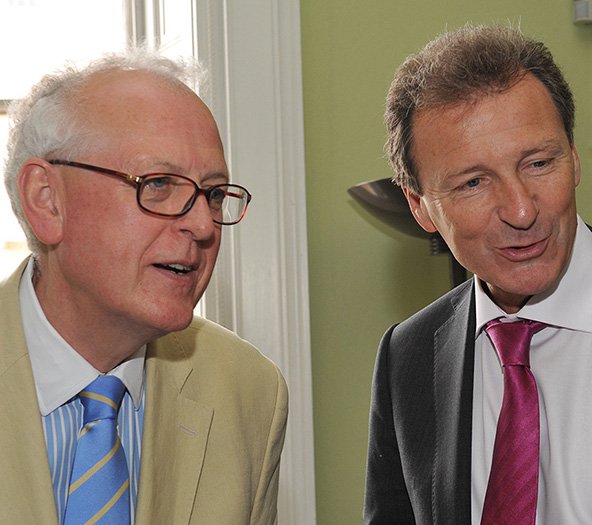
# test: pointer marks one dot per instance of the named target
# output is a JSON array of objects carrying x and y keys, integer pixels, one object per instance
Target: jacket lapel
[
  {"x": 23, "y": 461},
  {"x": 175, "y": 435},
  {"x": 454, "y": 347}
]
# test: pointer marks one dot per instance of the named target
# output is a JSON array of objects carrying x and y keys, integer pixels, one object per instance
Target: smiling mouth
[
  {"x": 527, "y": 252},
  {"x": 526, "y": 246},
  {"x": 179, "y": 269}
]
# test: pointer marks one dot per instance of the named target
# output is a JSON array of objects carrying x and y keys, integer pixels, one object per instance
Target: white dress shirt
[{"x": 561, "y": 361}]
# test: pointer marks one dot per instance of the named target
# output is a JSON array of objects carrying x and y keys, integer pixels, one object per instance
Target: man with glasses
[{"x": 117, "y": 174}]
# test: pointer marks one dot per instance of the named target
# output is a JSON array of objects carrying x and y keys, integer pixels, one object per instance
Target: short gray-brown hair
[{"x": 457, "y": 67}]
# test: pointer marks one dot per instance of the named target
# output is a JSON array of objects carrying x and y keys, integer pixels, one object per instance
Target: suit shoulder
[
  {"x": 406, "y": 351},
  {"x": 426, "y": 321},
  {"x": 206, "y": 341}
]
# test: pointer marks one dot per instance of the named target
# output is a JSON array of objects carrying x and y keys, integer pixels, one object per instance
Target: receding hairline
[
  {"x": 123, "y": 91},
  {"x": 99, "y": 83}
]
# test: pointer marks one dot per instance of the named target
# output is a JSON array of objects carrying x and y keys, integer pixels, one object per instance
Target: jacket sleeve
[
  {"x": 264, "y": 510},
  {"x": 386, "y": 498}
]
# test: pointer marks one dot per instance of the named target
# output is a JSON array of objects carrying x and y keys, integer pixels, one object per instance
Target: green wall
[{"x": 363, "y": 275}]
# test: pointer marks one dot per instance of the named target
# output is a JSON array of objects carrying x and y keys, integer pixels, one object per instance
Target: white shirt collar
[
  {"x": 568, "y": 304},
  {"x": 59, "y": 371}
]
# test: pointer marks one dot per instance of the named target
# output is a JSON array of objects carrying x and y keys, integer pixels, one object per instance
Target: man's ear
[
  {"x": 419, "y": 211},
  {"x": 576, "y": 161},
  {"x": 40, "y": 194}
]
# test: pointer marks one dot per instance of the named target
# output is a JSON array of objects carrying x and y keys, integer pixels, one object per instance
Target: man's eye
[
  {"x": 158, "y": 189},
  {"x": 157, "y": 183},
  {"x": 217, "y": 194},
  {"x": 539, "y": 163},
  {"x": 216, "y": 197},
  {"x": 473, "y": 183}
]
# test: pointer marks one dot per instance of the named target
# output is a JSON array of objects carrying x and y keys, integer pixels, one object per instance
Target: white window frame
[{"x": 260, "y": 286}]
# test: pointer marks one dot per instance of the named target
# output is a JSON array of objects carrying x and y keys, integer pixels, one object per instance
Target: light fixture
[{"x": 384, "y": 200}]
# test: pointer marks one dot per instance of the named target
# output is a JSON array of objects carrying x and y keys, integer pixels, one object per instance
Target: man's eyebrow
[
  {"x": 174, "y": 169},
  {"x": 222, "y": 176},
  {"x": 544, "y": 145},
  {"x": 164, "y": 167},
  {"x": 464, "y": 172}
]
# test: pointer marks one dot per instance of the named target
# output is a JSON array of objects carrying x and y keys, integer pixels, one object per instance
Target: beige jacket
[{"x": 214, "y": 428}]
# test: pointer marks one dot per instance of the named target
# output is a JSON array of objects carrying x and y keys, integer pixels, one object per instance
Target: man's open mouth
[{"x": 175, "y": 268}]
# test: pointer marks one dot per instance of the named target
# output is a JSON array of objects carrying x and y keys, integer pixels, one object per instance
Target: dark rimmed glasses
[{"x": 170, "y": 195}]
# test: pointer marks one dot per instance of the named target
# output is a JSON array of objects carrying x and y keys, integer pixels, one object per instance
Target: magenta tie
[{"x": 512, "y": 490}]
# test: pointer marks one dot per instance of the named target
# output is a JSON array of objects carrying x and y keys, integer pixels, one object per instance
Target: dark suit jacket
[{"x": 419, "y": 455}]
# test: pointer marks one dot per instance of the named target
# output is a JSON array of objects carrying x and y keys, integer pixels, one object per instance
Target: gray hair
[
  {"x": 458, "y": 67},
  {"x": 46, "y": 121}
]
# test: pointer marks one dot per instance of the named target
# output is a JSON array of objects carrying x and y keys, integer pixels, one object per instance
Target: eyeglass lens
[{"x": 174, "y": 195}]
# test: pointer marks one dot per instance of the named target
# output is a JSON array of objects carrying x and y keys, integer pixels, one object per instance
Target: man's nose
[
  {"x": 198, "y": 220},
  {"x": 518, "y": 204}
]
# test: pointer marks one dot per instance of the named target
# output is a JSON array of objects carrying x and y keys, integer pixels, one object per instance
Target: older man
[
  {"x": 117, "y": 174},
  {"x": 480, "y": 127}
]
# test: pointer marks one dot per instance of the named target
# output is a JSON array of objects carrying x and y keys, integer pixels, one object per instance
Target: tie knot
[
  {"x": 101, "y": 399},
  {"x": 512, "y": 340}
]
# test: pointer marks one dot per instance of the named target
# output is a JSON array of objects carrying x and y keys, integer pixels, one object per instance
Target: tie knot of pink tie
[{"x": 511, "y": 340}]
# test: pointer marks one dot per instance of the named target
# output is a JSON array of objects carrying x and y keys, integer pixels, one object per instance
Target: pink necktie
[{"x": 512, "y": 490}]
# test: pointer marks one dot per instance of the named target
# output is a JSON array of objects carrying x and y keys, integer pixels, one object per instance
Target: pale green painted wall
[{"x": 364, "y": 276}]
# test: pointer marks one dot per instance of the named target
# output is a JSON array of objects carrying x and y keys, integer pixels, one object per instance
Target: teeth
[{"x": 177, "y": 268}]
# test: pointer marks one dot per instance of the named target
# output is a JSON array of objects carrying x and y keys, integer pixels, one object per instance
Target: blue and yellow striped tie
[{"x": 99, "y": 485}]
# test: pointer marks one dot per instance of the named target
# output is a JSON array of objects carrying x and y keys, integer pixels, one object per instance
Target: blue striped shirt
[
  {"x": 61, "y": 428},
  {"x": 60, "y": 373}
]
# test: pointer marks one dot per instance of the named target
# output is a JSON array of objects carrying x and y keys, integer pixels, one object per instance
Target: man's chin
[
  {"x": 511, "y": 297},
  {"x": 172, "y": 322}
]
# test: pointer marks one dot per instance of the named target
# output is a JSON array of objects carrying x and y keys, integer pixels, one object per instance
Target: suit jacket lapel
[
  {"x": 175, "y": 435},
  {"x": 23, "y": 461},
  {"x": 454, "y": 346}
]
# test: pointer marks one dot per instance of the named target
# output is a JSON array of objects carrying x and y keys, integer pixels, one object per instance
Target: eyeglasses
[{"x": 170, "y": 195}]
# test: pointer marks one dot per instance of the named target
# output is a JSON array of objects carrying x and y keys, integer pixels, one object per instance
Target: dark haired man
[{"x": 480, "y": 135}]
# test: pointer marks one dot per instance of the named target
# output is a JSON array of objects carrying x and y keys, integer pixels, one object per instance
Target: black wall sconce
[{"x": 385, "y": 201}]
